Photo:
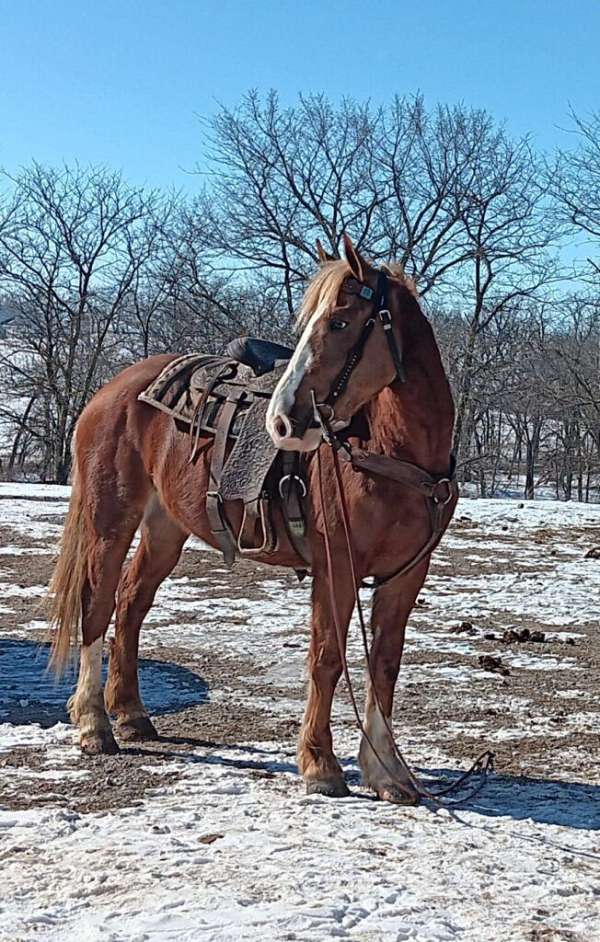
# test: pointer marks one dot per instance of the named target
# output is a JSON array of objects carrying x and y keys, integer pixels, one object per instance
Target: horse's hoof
[
  {"x": 397, "y": 795},
  {"x": 99, "y": 744},
  {"x": 330, "y": 788},
  {"x": 140, "y": 729}
]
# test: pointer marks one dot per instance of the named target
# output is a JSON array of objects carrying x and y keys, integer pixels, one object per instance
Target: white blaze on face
[{"x": 284, "y": 397}]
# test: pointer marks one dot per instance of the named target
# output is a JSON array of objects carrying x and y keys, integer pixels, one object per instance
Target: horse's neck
[{"x": 414, "y": 420}]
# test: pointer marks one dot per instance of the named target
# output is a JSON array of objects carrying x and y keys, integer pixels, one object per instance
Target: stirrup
[{"x": 256, "y": 511}]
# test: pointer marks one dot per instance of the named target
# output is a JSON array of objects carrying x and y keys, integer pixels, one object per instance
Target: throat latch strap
[
  {"x": 384, "y": 315},
  {"x": 386, "y": 321}
]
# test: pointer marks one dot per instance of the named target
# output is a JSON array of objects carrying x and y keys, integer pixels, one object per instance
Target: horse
[{"x": 358, "y": 353}]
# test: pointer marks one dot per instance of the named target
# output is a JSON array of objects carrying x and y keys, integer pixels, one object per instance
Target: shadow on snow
[
  {"x": 29, "y": 693},
  {"x": 544, "y": 801}
]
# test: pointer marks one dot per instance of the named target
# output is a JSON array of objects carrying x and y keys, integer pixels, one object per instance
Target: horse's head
[{"x": 349, "y": 350}]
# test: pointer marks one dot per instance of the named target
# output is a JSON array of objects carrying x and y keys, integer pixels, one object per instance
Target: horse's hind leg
[
  {"x": 105, "y": 509},
  {"x": 106, "y": 554},
  {"x": 160, "y": 546}
]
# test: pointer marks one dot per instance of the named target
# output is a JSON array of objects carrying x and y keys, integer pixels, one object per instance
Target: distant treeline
[{"x": 95, "y": 273}]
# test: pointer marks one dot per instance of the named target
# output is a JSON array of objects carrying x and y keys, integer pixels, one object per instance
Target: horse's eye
[{"x": 337, "y": 324}]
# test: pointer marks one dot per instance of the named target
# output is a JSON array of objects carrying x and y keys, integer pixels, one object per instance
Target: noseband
[{"x": 382, "y": 314}]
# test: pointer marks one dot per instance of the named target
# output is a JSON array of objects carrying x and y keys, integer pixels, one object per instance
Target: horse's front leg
[
  {"x": 382, "y": 771},
  {"x": 316, "y": 761}
]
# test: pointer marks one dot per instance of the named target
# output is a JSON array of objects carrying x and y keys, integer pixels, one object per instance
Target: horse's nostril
[{"x": 282, "y": 426}]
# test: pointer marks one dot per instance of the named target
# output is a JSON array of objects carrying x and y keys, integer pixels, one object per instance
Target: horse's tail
[{"x": 68, "y": 580}]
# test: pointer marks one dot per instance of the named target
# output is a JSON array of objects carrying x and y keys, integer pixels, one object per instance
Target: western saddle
[{"x": 226, "y": 397}]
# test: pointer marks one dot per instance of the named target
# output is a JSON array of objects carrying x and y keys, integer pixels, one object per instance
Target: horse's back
[{"x": 114, "y": 424}]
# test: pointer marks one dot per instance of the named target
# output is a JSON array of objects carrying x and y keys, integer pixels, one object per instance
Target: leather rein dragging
[{"x": 439, "y": 491}]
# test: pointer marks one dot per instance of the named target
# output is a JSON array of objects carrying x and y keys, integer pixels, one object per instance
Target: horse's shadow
[
  {"x": 29, "y": 693},
  {"x": 544, "y": 801}
]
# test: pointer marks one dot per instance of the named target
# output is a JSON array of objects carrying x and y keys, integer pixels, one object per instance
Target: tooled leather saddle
[{"x": 226, "y": 397}]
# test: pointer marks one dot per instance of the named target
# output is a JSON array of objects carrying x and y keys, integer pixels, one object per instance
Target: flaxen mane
[{"x": 323, "y": 289}]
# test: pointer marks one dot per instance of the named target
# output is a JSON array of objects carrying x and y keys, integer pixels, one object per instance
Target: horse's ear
[
  {"x": 324, "y": 256},
  {"x": 354, "y": 259}
]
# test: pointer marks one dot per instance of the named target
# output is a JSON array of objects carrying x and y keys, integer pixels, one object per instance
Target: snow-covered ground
[{"x": 207, "y": 834}]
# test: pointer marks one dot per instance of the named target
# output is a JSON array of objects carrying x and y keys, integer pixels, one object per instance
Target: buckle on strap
[
  {"x": 291, "y": 478},
  {"x": 442, "y": 498},
  {"x": 324, "y": 421}
]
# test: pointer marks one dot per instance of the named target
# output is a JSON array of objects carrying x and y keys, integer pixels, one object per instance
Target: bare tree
[
  {"x": 72, "y": 246},
  {"x": 447, "y": 193},
  {"x": 509, "y": 234},
  {"x": 574, "y": 181},
  {"x": 282, "y": 177}
]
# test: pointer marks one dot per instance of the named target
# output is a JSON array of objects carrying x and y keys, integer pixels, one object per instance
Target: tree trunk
[
  {"x": 464, "y": 396},
  {"x": 530, "y": 472}
]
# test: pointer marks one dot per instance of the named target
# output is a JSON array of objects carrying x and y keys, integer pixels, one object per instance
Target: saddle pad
[
  {"x": 178, "y": 387},
  {"x": 253, "y": 454}
]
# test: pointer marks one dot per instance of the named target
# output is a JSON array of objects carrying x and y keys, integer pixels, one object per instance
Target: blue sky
[{"x": 123, "y": 83}]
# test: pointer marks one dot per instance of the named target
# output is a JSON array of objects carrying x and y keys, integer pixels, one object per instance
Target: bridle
[{"x": 381, "y": 313}]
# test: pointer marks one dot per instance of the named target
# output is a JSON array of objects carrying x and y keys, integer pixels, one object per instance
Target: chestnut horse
[{"x": 132, "y": 470}]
